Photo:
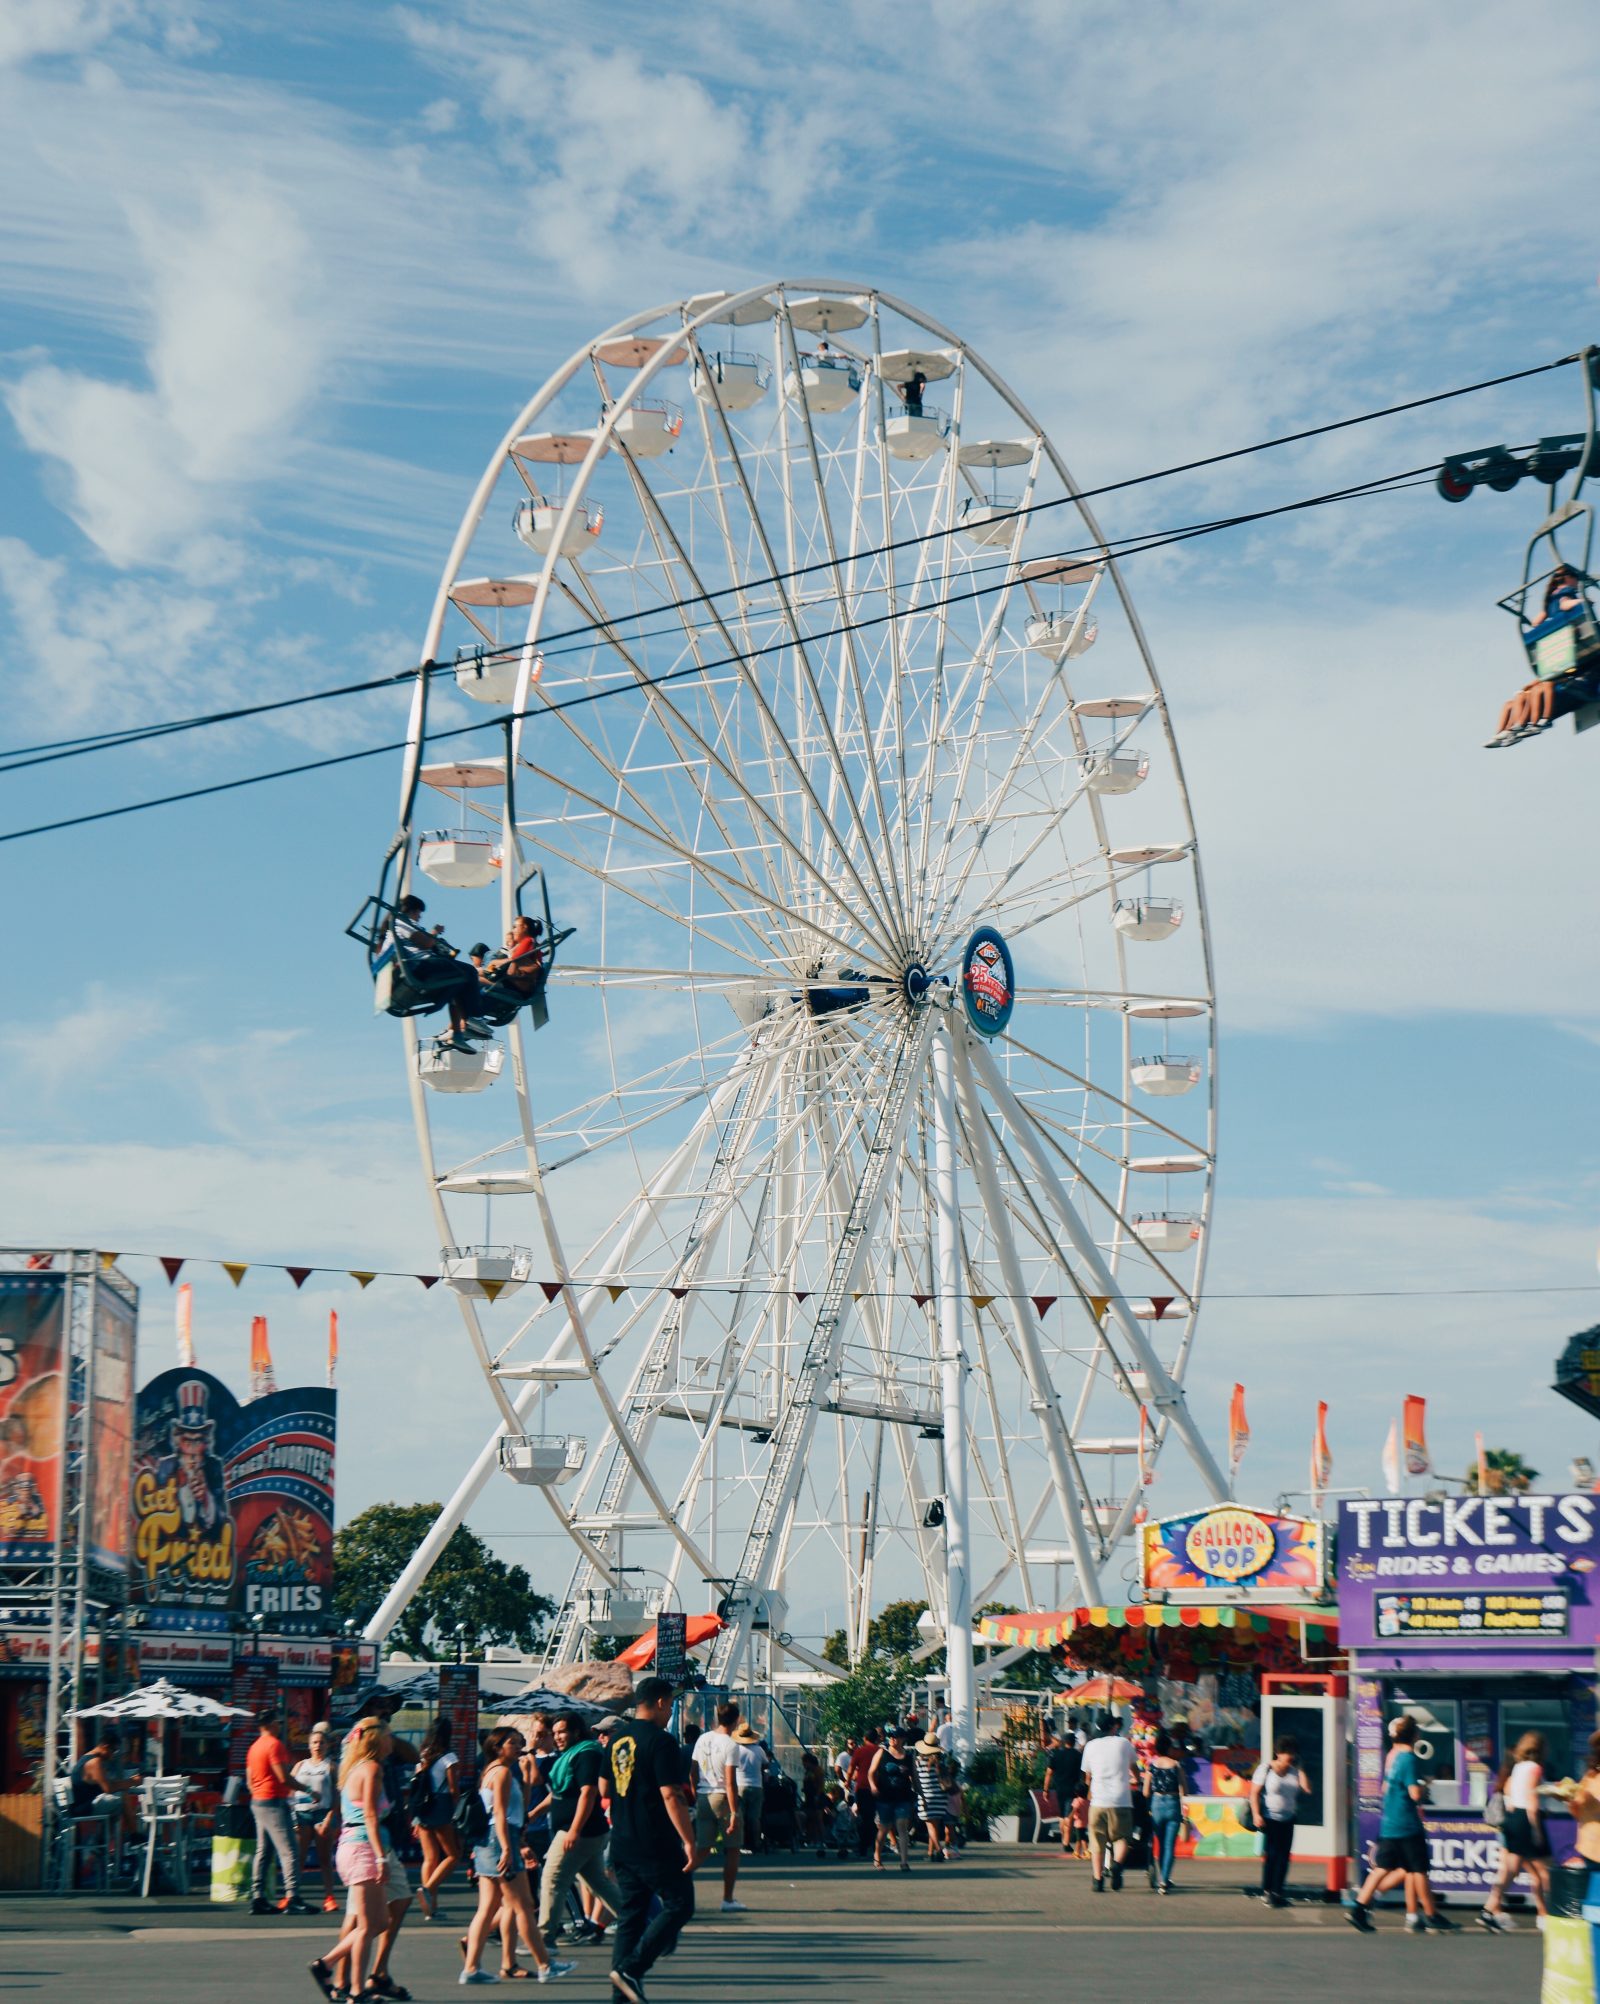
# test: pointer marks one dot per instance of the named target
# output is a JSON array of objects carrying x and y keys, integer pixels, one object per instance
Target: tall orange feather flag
[
  {"x": 1416, "y": 1438},
  {"x": 1238, "y": 1430},
  {"x": 1483, "y": 1465},
  {"x": 1321, "y": 1459},
  {"x": 185, "y": 1313},
  {"x": 333, "y": 1344}
]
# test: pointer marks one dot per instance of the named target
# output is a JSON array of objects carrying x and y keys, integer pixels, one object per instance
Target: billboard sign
[
  {"x": 1257, "y": 1554},
  {"x": 279, "y": 1472},
  {"x": 33, "y": 1323},
  {"x": 672, "y": 1646},
  {"x": 232, "y": 1506}
]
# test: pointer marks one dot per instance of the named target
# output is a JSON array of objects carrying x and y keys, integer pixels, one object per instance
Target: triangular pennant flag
[
  {"x": 429, "y": 1279},
  {"x": 172, "y": 1268},
  {"x": 235, "y": 1269},
  {"x": 107, "y": 1260},
  {"x": 364, "y": 1280},
  {"x": 1098, "y": 1304},
  {"x": 616, "y": 1292},
  {"x": 492, "y": 1289},
  {"x": 922, "y": 1300},
  {"x": 982, "y": 1300},
  {"x": 549, "y": 1288},
  {"x": 801, "y": 1293},
  {"x": 677, "y": 1293},
  {"x": 1043, "y": 1303},
  {"x": 1160, "y": 1303},
  {"x": 299, "y": 1274},
  {"x": 859, "y": 1294}
]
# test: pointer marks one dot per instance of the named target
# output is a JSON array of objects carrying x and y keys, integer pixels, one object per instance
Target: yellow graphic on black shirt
[{"x": 622, "y": 1759}]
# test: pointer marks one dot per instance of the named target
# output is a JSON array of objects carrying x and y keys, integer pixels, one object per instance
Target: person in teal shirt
[{"x": 1402, "y": 1851}]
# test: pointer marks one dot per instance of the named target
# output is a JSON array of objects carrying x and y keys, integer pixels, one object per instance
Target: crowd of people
[{"x": 571, "y": 1834}]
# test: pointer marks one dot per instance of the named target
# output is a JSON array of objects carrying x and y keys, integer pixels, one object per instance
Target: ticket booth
[{"x": 1479, "y": 1616}]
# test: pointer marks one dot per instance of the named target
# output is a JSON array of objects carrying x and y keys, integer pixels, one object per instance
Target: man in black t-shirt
[{"x": 652, "y": 1839}]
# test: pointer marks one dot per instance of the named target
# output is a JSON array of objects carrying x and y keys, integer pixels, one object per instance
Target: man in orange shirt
[{"x": 266, "y": 1770}]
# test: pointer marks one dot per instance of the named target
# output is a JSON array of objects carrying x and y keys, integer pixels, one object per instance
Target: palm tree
[{"x": 1509, "y": 1474}]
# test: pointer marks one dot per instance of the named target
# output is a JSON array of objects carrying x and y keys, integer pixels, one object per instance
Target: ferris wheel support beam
[
  {"x": 953, "y": 1400},
  {"x": 1065, "y": 1474},
  {"x": 1166, "y": 1397}
]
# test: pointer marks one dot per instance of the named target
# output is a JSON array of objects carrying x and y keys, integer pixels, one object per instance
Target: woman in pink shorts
[{"x": 361, "y": 1863}]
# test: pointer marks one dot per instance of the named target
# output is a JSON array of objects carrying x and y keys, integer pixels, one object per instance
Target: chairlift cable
[
  {"x": 1393, "y": 483},
  {"x": 19, "y": 757}
]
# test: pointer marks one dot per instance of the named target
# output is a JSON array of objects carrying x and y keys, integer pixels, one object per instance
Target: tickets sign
[{"x": 1472, "y": 1617}]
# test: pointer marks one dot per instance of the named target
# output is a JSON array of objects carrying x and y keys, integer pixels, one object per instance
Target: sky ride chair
[{"x": 1561, "y": 642}]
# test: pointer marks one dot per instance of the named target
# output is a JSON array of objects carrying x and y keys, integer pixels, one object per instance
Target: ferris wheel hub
[{"x": 916, "y": 981}]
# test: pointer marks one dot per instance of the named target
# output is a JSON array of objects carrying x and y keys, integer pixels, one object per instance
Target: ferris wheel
[{"x": 842, "y": 1231}]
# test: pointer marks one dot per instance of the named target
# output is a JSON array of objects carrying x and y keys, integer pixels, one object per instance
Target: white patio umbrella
[{"x": 161, "y": 1700}]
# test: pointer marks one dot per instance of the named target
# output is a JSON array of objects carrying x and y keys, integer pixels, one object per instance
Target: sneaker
[
  {"x": 294, "y": 1906},
  {"x": 734, "y": 1907},
  {"x": 262, "y": 1907},
  {"x": 1358, "y": 1917},
  {"x": 553, "y": 1969},
  {"x": 1496, "y": 1923},
  {"x": 1116, "y": 1878},
  {"x": 329, "y": 1904},
  {"x": 631, "y": 1987},
  {"x": 1441, "y": 1924},
  {"x": 1098, "y": 1884},
  {"x": 1416, "y": 1924},
  {"x": 477, "y": 1976}
]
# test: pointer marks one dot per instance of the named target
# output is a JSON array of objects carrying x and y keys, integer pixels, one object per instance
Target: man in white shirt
[
  {"x": 1108, "y": 1768},
  {"x": 946, "y": 1735},
  {"x": 716, "y": 1800}
]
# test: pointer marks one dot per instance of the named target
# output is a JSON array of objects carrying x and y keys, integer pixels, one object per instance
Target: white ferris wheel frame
[{"x": 938, "y": 1053}]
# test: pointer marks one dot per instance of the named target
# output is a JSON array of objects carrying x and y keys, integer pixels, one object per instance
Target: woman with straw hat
[{"x": 933, "y": 1800}]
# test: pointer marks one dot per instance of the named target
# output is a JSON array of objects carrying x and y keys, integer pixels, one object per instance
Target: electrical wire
[
  {"x": 21, "y": 757},
  {"x": 1138, "y": 546}
]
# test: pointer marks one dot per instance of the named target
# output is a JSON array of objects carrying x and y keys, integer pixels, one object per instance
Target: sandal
[
  {"x": 322, "y": 1976},
  {"x": 516, "y": 1974},
  {"x": 385, "y": 1986}
]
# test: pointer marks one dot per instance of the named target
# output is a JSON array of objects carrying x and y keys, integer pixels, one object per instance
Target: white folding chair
[{"x": 163, "y": 1802}]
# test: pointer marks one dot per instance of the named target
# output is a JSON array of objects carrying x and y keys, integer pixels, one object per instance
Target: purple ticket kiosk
[{"x": 1480, "y": 1616}]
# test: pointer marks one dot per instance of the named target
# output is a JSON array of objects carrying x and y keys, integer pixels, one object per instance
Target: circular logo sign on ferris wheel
[{"x": 988, "y": 981}]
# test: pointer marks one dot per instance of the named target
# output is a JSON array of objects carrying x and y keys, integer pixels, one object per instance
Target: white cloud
[
  {"x": 233, "y": 357},
  {"x": 32, "y": 28}
]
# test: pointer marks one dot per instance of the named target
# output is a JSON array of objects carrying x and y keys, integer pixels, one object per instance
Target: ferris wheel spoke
[
  {"x": 773, "y": 569},
  {"x": 774, "y": 740},
  {"x": 878, "y": 851},
  {"x": 678, "y": 728},
  {"x": 724, "y": 882}
]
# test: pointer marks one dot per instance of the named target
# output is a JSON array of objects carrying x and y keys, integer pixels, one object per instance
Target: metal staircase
[
  {"x": 820, "y": 1361},
  {"x": 655, "y": 1375}
]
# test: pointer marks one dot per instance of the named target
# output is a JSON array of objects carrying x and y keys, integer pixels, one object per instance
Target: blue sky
[{"x": 273, "y": 290}]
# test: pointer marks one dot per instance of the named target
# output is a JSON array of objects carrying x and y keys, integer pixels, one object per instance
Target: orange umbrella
[
  {"x": 641, "y": 1654},
  {"x": 1104, "y": 1691}
]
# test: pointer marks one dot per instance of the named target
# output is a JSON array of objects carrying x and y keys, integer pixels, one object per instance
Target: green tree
[
  {"x": 893, "y": 1631},
  {"x": 875, "y": 1691},
  {"x": 469, "y": 1589},
  {"x": 836, "y": 1650},
  {"x": 1509, "y": 1474}
]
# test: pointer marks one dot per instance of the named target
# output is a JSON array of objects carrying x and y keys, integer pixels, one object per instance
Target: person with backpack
[{"x": 431, "y": 1796}]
